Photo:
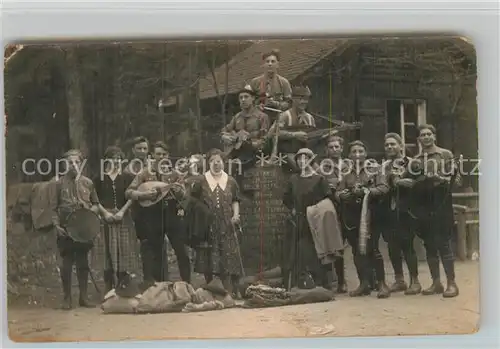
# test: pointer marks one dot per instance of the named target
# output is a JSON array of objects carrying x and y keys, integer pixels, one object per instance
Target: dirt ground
[{"x": 367, "y": 316}]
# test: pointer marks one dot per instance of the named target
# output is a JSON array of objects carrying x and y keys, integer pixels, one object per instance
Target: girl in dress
[
  {"x": 217, "y": 253},
  {"x": 120, "y": 243}
]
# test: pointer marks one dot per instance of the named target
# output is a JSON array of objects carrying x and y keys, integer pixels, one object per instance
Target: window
[{"x": 403, "y": 117}]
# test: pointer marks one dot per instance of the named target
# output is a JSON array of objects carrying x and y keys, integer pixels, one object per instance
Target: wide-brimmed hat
[
  {"x": 301, "y": 91},
  {"x": 328, "y": 136},
  {"x": 304, "y": 151},
  {"x": 247, "y": 89}
]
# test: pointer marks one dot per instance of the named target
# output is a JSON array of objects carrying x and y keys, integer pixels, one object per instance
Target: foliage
[{"x": 122, "y": 84}]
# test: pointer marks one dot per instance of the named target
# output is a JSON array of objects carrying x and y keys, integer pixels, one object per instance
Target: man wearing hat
[
  {"x": 290, "y": 139},
  {"x": 316, "y": 239},
  {"x": 245, "y": 133}
]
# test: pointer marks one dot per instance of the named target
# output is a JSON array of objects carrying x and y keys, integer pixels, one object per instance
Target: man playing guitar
[{"x": 244, "y": 135}]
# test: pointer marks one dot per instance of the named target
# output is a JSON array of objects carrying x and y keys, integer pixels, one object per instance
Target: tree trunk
[
  {"x": 198, "y": 117},
  {"x": 226, "y": 85},
  {"x": 121, "y": 119},
  {"x": 74, "y": 97}
]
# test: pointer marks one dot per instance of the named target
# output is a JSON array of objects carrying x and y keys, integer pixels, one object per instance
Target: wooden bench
[{"x": 467, "y": 222}]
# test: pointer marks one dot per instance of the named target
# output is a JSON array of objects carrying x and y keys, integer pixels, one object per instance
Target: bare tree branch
[{"x": 211, "y": 66}]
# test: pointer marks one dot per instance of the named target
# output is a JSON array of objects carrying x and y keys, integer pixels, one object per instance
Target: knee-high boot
[
  {"x": 329, "y": 277},
  {"x": 66, "y": 271},
  {"x": 83, "y": 279},
  {"x": 448, "y": 261},
  {"x": 412, "y": 263},
  {"x": 364, "y": 274},
  {"x": 108, "y": 280},
  {"x": 340, "y": 271},
  {"x": 376, "y": 260},
  {"x": 437, "y": 286}
]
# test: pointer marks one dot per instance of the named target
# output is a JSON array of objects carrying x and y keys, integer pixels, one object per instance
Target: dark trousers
[
  {"x": 433, "y": 210},
  {"x": 366, "y": 263},
  {"x": 338, "y": 264},
  {"x": 177, "y": 240},
  {"x": 399, "y": 235},
  {"x": 436, "y": 233},
  {"x": 154, "y": 259},
  {"x": 74, "y": 253},
  {"x": 155, "y": 224}
]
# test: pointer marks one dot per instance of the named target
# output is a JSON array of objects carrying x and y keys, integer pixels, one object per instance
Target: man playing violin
[
  {"x": 245, "y": 133},
  {"x": 164, "y": 217},
  {"x": 74, "y": 191},
  {"x": 290, "y": 140}
]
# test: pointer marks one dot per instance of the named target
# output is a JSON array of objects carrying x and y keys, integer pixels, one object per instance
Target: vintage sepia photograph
[{"x": 242, "y": 188}]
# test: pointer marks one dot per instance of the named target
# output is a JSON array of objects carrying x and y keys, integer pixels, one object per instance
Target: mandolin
[{"x": 162, "y": 189}]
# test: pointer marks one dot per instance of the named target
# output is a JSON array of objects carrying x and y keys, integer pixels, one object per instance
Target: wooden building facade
[
  {"x": 387, "y": 84},
  {"x": 374, "y": 81}
]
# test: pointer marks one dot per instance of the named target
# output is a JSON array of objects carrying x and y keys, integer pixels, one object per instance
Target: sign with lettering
[
  {"x": 263, "y": 179},
  {"x": 263, "y": 219}
]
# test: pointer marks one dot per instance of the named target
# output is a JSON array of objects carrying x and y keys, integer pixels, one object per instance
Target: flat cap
[{"x": 301, "y": 91}]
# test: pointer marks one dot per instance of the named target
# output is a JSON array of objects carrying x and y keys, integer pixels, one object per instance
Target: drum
[{"x": 83, "y": 225}]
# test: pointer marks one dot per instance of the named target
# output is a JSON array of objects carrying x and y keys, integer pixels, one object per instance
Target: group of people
[
  {"x": 115, "y": 196},
  {"x": 403, "y": 200},
  {"x": 203, "y": 209},
  {"x": 404, "y": 197}
]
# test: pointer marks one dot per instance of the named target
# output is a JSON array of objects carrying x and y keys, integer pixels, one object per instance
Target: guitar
[
  {"x": 161, "y": 188},
  {"x": 241, "y": 145},
  {"x": 241, "y": 137}
]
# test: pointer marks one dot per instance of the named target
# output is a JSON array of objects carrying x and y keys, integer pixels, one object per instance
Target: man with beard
[
  {"x": 275, "y": 91},
  {"x": 433, "y": 209},
  {"x": 289, "y": 139},
  {"x": 362, "y": 179},
  {"x": 247, "y": 129},
  {"x": 397, "y": 223},
  {"x": 163, "y": 217}
]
